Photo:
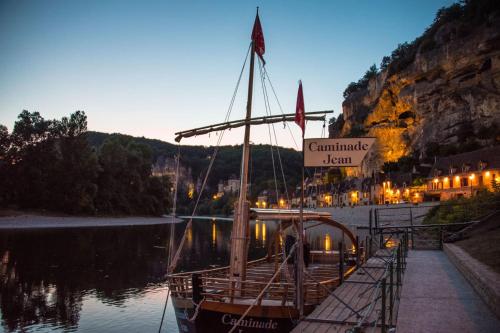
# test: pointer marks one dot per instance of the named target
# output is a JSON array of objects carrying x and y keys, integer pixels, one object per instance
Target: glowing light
[
  {"x": 282, "y": 203},
  {"x": 214, "y": 197},
  {"x": 263, "y": 204},
  {"x": 472, "y": 176},
  {"x": 457, "y": 178},
  {"x": 436, "y": 180},
  {"x": 257, "y": 230},
  {"x": 446, "y": 179},
  {"x": 417, "y": 195},
  {"x": 214, "y": 233},
  {"x": 487, "y": 174},
  {"x": 328, "y": 242},
  {"x": 190, "y": 236},
  {"x": 263, "y": 232}
]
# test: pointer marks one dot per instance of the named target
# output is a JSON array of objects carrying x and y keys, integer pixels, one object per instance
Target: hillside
[
  {"x": 437, "y": 95},
  {"x": 226, "y": 164}
]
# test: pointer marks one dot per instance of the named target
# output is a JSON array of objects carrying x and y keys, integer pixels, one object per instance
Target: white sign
[{"x": 336, "y": 152}]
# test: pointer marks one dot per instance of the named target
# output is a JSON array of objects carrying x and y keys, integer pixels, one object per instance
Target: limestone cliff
[{"x": 449, "y": 93}]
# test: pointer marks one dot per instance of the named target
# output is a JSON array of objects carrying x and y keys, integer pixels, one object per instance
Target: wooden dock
[{"x": 359, "y": 302}]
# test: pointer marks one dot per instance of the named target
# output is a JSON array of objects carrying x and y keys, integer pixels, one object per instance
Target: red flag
[
  {"x": 258, "y": 39},
  {"x": 300, "y": 117}
]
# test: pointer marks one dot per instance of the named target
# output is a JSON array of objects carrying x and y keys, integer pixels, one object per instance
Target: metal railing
[{"x": 385, "y": 291}]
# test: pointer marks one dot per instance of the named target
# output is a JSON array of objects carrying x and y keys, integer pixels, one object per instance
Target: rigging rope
[
  {"x": 279, "y": 104},
  {"x": 175, "y": 259},
  {"x": 264, "y": 75},
  {"x": 172, "y": 229},
  {"x": 292, "y": 250},
  {"x": 268, "y": 113}
]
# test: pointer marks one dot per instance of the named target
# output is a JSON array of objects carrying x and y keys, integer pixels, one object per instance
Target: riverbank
[{"x": 33, "y": 221}]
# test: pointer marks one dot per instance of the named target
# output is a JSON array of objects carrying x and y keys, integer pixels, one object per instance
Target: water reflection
[{"x": 109, "y": 279}]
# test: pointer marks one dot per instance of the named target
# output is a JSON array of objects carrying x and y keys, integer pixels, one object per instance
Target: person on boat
[
  {"x": 306, "y": 252},
  {"x": 290, "y": 240}
]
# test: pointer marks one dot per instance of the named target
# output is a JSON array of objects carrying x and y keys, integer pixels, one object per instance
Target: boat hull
[{"x": 221, "y": 317}]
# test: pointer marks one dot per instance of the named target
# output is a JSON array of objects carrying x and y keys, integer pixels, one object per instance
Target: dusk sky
[{"x": 152, "y": 68}]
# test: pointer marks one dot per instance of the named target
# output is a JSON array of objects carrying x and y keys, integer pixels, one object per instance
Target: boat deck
[{"x": 322, "y": 276}]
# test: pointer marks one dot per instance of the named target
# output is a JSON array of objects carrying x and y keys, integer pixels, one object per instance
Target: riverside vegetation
[
  {"x": 49, "y": 165},
  {"x": 59, "y": 166}
]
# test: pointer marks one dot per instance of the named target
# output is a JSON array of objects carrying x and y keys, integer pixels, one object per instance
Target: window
[{"x": 464, "y": 182}]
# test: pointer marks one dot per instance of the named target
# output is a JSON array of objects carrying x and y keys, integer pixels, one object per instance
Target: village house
[
  {"x": 230, "y": 186},
  {"x": 463, "y": 175}
]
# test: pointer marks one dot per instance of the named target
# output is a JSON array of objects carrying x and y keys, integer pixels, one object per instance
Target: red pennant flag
[
  {"x": 258, "y": 38},
  {"x": 300, "y": 117}
]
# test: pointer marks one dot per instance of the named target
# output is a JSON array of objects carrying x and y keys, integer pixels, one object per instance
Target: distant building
[
  {"x": 269, "y": 199},
  {"x": 230, "y": 186},
  {"x": 462, "y": 175}
]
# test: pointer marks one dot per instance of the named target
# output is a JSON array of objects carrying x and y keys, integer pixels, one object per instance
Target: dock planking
[{"x": 353, "y": 300}]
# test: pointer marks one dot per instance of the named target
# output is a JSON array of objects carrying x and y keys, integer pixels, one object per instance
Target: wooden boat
[{"x": 266, "y": 295}]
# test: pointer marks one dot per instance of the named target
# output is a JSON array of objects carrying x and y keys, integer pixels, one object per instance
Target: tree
[
  {"x": 125, "y": 183},
  {"x": 385, "y": 63},
  {"x": 77, "y": 167}
]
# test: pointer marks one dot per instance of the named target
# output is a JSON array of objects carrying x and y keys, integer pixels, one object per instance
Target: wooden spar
[
  {"x": 241, "y": 226},
  {"x": 311, "y": 116}
]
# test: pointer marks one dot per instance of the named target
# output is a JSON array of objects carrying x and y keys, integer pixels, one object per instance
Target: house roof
[{"x": 486, "y": 158}]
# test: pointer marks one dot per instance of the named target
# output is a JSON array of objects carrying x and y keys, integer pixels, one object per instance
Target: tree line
[
  {"x": 50, "y": 165},
  {"x": 59, "y": 166}
]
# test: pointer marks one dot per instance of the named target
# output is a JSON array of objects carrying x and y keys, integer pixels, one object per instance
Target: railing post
[
  {"x": 398, "y": 269},
  {"x": 440, "y": 237},
  {"x": 381, "y": 239},
  {"x": 370, "y": 248},
  {"x": 366, "y": 253},
  {"x": 382, "y": 319},
  {"x": 391, "y": 291},
  {"x": 407, "y": 242},
  {"x": 412, "y": 239},
  {"x": 370, "y": 221},
  {"x": 358, "y": 257},
  {"x": 341, "y": 262}
]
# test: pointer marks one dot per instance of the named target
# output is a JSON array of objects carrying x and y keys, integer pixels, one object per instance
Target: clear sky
[{"x": 151, "y": 68}]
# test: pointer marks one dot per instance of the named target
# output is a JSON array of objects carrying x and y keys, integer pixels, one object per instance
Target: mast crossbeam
[{"x": 312, "y": 116}]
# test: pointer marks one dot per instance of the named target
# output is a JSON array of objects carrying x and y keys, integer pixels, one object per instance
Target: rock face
[{"x": 446, "y": 92}]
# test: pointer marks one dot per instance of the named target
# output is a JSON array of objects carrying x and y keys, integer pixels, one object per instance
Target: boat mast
[{"x": 240, "y": 233}]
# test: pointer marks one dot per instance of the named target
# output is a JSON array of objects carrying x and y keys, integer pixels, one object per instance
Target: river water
[{"x": 110, "y": 279}]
